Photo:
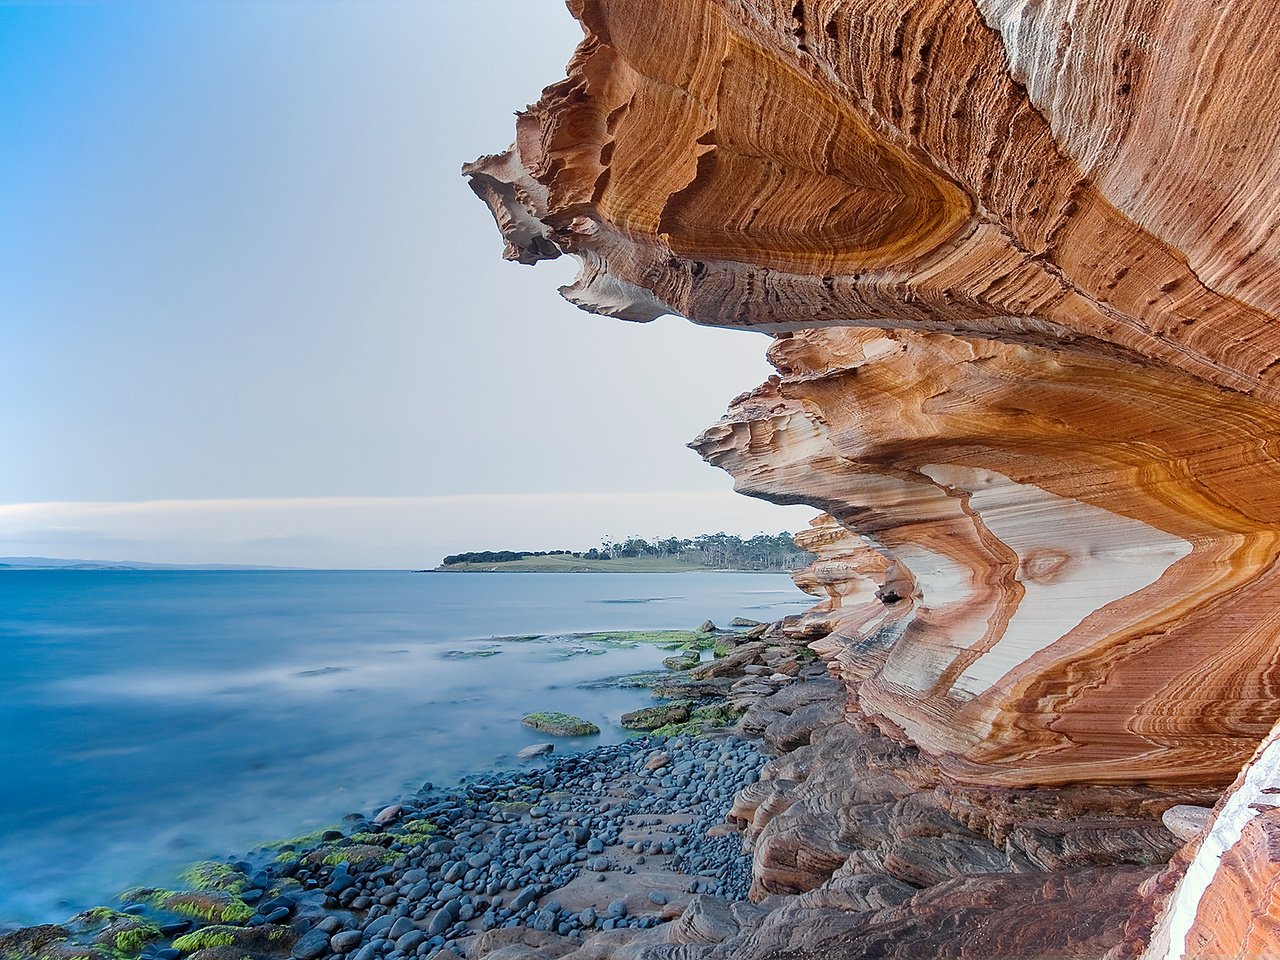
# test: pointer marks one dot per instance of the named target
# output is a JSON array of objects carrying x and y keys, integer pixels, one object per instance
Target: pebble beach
[{"x": 624, "y": 836}]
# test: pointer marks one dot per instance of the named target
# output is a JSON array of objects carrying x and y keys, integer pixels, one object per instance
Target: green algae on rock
[
  {"x": 32, "y": 941},
  {"x": 204, "y": 938},
  {"x": 686, "y": 662},
  {"x": 115, "y": 935},
  {"x": 355, "y": 854},
  {"x": 560, "y": 724},
  {"x": 372, "y": 839},
  {"x": 251, "y": 939},
  {"x": 651, "y": 718},
  {"x": 128, "y": 938},
  {"x": 211, "y": 906},
  {"x": 421, "y": 827},
  {"x": 701, "y": 719},
  {"x": 211, "y": 875}
]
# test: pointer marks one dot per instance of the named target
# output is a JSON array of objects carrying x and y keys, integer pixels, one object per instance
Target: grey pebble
[
  {"x": 346, "y": 941},
  {"x": 400, "y": 927},
  {"x": 410, "y": 941},
  {"x": 312, "y": 944}
]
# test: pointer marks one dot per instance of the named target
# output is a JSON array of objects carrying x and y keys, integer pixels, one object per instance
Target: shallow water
[{"x": 152, "y": 718}]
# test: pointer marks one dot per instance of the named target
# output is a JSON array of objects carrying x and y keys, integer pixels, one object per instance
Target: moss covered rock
[
  {"x": 32, "y": 941},
  {"x": 651, "y": 718},
  {"x": 244, "y": 940},
  {"x": 686, "y": 662},
  {"x": 561, "y": 724},
  {"x": 701, "y": 719},
  {"x": 418, "y": 828},
  {"x": 356, "y": 854},
  {"x": 126, "y": 936},
  {"x": 211, "y": 906},
  {"x": 211, "y": 875}
]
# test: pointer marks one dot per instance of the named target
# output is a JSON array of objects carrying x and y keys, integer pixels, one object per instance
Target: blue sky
[{"x": 242, "y": 281}]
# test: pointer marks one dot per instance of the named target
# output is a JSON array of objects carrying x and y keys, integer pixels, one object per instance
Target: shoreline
[
  {"x": 235, "y": 905},
  {"x": 294, "y": 700},
  {"x": 805, "y": 830}
]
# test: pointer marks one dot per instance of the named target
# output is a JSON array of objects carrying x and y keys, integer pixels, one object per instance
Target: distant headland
[{"x": 708, "y": 551}]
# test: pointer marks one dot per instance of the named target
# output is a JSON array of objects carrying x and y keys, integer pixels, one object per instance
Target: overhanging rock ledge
[{"x": 1019, "y": 261}]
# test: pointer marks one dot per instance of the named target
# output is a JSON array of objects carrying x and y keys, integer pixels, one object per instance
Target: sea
[{"x": 149, "y": 719}]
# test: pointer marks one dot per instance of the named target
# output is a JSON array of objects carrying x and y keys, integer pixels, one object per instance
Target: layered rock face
[
  {"x": 1020, "y": 266},
  {"x": 1071, "y": 543}
]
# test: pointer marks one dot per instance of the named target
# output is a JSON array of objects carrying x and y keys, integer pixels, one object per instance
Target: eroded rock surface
[
  {"x": 860, "y": 850},
  {"x": 1038, "y": 555},
  {"x": 1019, "y": 261}
]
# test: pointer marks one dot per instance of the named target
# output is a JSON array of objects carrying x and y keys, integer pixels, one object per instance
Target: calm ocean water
[{"x": 148, "y": 719}]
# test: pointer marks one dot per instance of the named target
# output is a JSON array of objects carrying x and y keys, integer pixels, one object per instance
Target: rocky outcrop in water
[{"x": 1020, "y": 266}]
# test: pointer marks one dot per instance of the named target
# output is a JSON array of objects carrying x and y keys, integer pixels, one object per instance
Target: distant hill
[{"x": 55, "y": 563}]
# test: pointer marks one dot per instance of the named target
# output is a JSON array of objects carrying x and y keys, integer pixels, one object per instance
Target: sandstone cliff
[{"x": 1019, "y": 260}]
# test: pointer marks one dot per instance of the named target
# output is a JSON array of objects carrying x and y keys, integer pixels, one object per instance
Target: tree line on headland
[{"x": 717, "y": 551}]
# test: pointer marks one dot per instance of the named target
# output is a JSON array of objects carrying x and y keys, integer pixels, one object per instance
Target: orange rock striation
[
  {"x": 1019, "y": 260},
  {"x": 1064, "y": 542}
]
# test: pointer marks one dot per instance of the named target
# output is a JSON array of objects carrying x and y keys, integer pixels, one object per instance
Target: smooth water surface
[{"x": 152, "y": 718}]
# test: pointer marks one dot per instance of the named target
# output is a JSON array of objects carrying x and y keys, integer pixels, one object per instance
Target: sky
[{"x": 251, "y": 313}]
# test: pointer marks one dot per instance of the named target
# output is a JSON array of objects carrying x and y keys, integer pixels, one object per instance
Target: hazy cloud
[{"x": 371, "y": 531}]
